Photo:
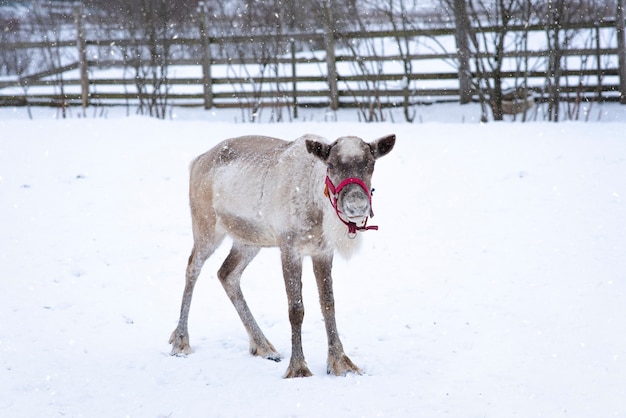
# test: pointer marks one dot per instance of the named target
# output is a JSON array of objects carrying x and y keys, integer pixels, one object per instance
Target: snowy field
[{"x": 495, "y": 287}]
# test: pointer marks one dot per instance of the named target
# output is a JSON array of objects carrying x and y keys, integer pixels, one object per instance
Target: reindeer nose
[{"x": 356, "y": 203}]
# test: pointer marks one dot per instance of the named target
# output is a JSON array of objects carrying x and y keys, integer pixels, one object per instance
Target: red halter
[{"x": 332, "y": 193}]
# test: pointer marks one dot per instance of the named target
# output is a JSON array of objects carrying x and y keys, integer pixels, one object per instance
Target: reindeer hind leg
[
  {"x": 203, "y": 247},
  {"x": 230, "y": 276}
]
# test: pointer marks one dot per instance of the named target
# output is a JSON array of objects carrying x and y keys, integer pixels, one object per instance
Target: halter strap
[{"x": 332, "y": 193}]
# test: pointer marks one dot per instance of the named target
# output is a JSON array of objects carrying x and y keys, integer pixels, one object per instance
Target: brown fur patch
[{"x": 246, "y": 231}]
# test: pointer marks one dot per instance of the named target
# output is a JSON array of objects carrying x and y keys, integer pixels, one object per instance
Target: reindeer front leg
[
  {"x": 338, "y": 363},
  {"x": 292, "y": 273}
]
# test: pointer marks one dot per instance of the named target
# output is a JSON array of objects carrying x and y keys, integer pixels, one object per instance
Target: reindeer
[{"x": 307, "y": 198}]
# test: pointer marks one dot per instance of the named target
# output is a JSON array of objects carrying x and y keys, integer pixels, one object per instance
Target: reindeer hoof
[
  {"x": 180, "y": 344},
  {"x": 297, "y": 370},
  {"x": 290, "y": 374},
  {"x": 266, "y": 350},
  {"x": 341, "y": 366}
]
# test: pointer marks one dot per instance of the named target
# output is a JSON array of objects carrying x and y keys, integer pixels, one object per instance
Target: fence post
[
  {"x": 463, "y": 50},
  {"x": 207, "y": 80},
  {"x": 294, "y": 79},
  {"x": 621, "y": 49},
  {"x": 598, "y": 63},
  {"x": 82, "y": 57},
  {"x": 329, "y": 43}
]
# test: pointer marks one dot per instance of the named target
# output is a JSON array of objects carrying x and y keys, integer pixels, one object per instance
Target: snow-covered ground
[{"x": 495, "y": 287}]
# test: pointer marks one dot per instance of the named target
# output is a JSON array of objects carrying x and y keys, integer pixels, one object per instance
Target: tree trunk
[
  {"x": 207, "y": 78},
  {"x": 329, "y": 41},
  {"x": 621, "y": 49},
  {"x": 82, "y": 57}
]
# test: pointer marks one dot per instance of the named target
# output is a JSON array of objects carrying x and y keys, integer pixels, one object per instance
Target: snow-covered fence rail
[{"x": 369, "y": 70}]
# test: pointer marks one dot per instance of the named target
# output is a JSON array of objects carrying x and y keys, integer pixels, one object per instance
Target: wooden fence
[{"x": 334, "y": 75}]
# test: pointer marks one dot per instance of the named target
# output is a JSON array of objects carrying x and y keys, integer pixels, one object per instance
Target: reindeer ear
[
  {"x": 382, "y": 146},
  {"x": 319, "y": 149}
]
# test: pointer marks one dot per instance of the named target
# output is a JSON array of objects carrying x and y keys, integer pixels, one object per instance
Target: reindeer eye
[{"x": 330, "y": 166}]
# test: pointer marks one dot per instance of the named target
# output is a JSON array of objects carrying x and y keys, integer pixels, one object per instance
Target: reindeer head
[{"x": 350, "y": 165}]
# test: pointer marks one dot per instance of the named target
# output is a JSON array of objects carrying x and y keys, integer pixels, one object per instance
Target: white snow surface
[{"x": 495, "y": 287}]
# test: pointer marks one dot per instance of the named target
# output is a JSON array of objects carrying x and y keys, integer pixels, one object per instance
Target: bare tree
[
  {"x": 49, "y": 24},
  {"x": 482, "y": 28},
  {"x": 16, "y": 61},
  {"x": 400, "y": 17},
  {"x": 554, "y": 17},
  {"x": 254, "y": 64},
  {"x": 489, "y": 48},
  {"x": 560, "y": 18},
  {"x": 365, "y": 79},
  {"x": 149, "y": 25}
]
